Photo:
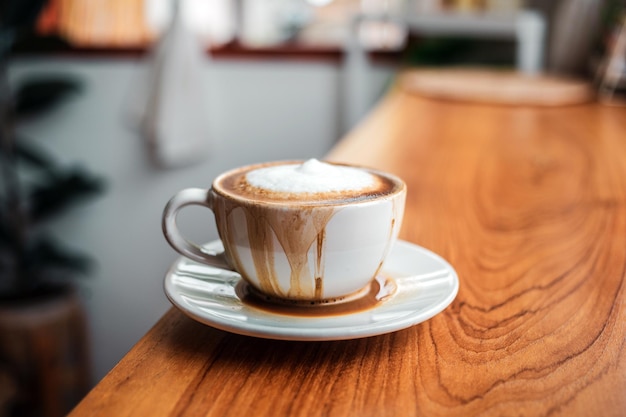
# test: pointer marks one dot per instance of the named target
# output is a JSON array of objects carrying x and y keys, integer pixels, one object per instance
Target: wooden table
[{"x": 528, "y": 205}]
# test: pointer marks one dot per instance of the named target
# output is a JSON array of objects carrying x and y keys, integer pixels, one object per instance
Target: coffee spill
[
  {"x": 392, "y": 234},
  {"x": 319, "y": 288},
  {"x": 295, "y": 230},
  {"x": 263, "y": 260},
  {"x": 319, "y": 265},
  {"x": 379, "y": 290},
  {"x": 310, "y": 226}
]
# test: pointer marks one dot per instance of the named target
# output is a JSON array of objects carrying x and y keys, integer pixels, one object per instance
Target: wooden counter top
[{"x": 528, "y": 205}]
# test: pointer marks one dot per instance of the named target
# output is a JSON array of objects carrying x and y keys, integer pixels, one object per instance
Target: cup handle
[{"x": 193, "y": 251}]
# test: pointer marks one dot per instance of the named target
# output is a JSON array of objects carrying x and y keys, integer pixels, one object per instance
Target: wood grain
[{"x": 528, "y": 205}]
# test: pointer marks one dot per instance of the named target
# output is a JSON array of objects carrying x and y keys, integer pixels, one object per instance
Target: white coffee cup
[{"x": 312, "y": 250}]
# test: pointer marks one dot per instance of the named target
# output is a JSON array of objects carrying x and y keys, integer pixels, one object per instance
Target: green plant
[{"x": 33, "y": 186}]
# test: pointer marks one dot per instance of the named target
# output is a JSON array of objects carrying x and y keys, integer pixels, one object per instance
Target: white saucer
[{"x": 425, "y": 285}]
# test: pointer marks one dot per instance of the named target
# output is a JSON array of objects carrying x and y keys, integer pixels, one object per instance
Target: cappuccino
[
  {"x": 311, "y": 183},
  {"x": 301, "y": 232}
]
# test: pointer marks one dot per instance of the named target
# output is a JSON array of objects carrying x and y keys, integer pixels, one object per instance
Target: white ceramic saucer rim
[{"x": 285, "y": 327}]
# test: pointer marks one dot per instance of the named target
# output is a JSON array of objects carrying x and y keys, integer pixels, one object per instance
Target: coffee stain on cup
[
  {"x": 319, "y": 264},
  {"x": 261, "y": 236},
  {"x": 396, "y": 220},
  {"x": 296, "y": 231}
]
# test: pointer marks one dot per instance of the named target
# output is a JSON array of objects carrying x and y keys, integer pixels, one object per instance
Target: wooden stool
[{"x": 43, "y": 350}]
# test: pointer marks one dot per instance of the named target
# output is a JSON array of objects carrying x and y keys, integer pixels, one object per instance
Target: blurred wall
[{"x": 258, "y": 111}]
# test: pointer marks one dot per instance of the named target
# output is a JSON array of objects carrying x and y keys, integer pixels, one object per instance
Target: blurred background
[{"x": 110, "y": 107}]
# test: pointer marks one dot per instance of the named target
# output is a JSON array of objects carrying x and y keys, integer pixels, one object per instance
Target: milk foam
[{"x": 312, "y": 176}]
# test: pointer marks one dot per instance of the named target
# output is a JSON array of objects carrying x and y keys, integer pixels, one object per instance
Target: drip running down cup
[{"x": 301, "y": 232}]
